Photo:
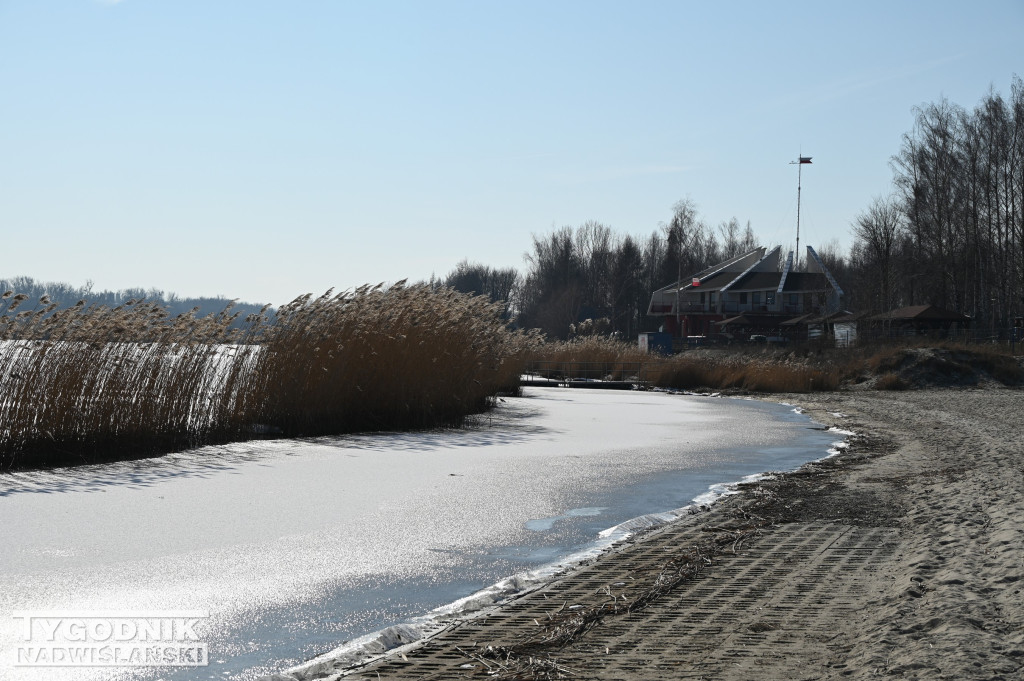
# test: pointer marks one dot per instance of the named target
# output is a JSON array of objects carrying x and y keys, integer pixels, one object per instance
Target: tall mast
[{"x": 801, "y": 160}]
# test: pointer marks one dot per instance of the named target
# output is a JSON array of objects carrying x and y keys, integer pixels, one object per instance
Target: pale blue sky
[{"x": 262, "y": 149}]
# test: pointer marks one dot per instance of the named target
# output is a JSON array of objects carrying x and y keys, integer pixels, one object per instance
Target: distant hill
[{"x": 66, "y": 295}]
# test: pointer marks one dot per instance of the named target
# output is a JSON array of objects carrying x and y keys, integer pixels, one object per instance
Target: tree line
[
  {"x": 590, "y": 279},
  {"x": 65, "y": 295},
  {"x": 950, "y": 233}
]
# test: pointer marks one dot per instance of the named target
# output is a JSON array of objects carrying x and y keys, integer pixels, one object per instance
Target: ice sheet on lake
[{"x": 276, "y": 539}]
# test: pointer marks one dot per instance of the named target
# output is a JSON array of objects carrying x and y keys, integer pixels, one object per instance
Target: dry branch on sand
[{"x": 533, "y": 656}]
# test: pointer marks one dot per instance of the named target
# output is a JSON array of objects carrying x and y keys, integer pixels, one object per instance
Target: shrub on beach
[
  {"x": 891, "y": 381},
  {"x": 904, "y": 366}
]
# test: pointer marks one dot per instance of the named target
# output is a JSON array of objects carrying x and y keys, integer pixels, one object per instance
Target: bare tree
[
  {"x": 499, "y": 285},
  {"x": 878, "y": 229},
  {"x": 929, "y": 173},
  {"x": 959, "y": 179},
  {"x": 628, "y": 294},
  {"x": 731, "y": 245},
  {"x": 749, "y": 242}
]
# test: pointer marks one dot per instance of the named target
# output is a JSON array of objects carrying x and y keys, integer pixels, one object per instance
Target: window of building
[
  {"x": 769, "y": 297},
  {"x": 743, "y": 298}
]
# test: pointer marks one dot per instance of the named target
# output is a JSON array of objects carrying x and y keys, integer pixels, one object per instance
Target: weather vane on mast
[{"x": 801, "y": 160}]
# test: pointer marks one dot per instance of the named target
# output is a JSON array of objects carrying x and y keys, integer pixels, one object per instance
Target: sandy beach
[{"x": 900, "y": 557}]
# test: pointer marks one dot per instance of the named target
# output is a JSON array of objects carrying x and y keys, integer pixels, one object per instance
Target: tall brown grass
[
  {"x": 757, "y": 375},
  {"x": 383, "y": 358},
  {"x": 92, "y": 383},
  {"x": 588, "y": 357},
  {"x": 756, "y": 369},
  {"x": 712, "y": 369},
  {"x": 590, "y": 349}
]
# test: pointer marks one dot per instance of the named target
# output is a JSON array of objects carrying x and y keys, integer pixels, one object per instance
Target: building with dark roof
[
  {"x": 754, "y": 292},
  {"x": 919, "y": 319}
]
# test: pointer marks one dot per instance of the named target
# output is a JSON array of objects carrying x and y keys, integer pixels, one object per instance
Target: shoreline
[
  {"x": 398, "y": 639},
  {"x": 882, "y": 559}
]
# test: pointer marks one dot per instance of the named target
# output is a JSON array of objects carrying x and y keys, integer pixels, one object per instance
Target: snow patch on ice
[{"x": 838, "y": 447}]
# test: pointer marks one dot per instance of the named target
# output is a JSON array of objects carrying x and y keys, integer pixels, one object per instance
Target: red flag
[{"x": 696, "y": 281}]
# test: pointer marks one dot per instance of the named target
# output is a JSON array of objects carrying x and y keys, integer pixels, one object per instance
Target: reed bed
[
  {"x": 92, "y": 383},
  {"x": 748, "y": 373},
  {"x": 713, "y": 370},
  {"x": 591, "y": 349},
  {"x": 89, "y": 383},
  {"x": 783, "y": 370},
  {"x": 385, "y": 358},
  {"x": 590, "y": 356}
]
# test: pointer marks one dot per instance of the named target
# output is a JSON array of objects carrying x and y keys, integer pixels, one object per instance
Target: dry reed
[
  {"x": 93, "y": 383},
  {"x": 385, "y": 358},
  {"x": 746, "y": 373},
  {"x": 589, "y": 356},
  {"x": 714, "y": 370},
  {"x": 90, "y": 383}
]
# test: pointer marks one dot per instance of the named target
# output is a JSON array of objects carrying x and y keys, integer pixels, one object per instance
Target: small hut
[{"x": 919, "y": 320}]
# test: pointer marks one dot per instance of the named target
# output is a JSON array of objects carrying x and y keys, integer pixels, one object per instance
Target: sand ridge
[{"x": 902, "y": 556}]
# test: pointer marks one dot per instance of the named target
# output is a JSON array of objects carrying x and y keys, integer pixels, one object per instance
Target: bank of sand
[{"x": 901, "y": 557}]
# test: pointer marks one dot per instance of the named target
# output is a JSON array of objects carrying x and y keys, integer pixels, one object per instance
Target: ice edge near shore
[{"x": 399, "y": 638}]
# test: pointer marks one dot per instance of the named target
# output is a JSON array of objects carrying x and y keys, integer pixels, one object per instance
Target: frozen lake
[{"x": 293, "y": 547}]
